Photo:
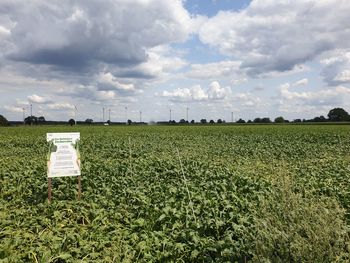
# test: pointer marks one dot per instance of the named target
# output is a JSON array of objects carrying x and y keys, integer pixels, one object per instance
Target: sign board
[{"x": 63, "y": 158}]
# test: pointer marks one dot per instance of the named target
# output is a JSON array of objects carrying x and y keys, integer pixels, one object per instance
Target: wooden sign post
[{"x": 63, "y": 158}]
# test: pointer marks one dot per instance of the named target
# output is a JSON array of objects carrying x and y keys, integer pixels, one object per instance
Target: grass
[{"x": 260, "y": 193}]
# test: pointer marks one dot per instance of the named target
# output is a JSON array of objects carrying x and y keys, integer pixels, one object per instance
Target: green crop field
[{"x": 249, "y": 193}]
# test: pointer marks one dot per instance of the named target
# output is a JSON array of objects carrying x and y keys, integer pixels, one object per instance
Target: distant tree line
[
  {"x": 334, "y": 115},
  {"x": 3, "y": 121},
  {"x": 33, "y": 120}
]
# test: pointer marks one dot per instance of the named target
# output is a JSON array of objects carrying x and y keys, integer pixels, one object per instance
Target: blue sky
[
  {"x": 253, "y": 58},
  {"x": 212, "y": 7}
]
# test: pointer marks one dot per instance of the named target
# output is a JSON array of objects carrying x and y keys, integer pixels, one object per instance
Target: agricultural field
[{"x": 251, "y": 193}]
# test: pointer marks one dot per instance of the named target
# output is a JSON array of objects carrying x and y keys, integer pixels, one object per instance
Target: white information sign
[{"x": 63, "y": 158}]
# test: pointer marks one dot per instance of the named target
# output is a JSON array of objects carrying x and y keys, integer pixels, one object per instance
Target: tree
[
  {"x": 219, "y": 121},
  {"x": 279, "y": 119},
  {"x": 182, "y": 121},
  {"x": 71, "y": 122},
  {"x": 31, "y": 120},
  {"x": 109, "y": 122},
  {"x": 240, "y": 121},
  {"x": 192, "y": 122},
  {"x": 266, "y": 120},
  {"x": 297, "y": 120},
  {"x": 257, "y": 120},
  {"x": 129, "y": 122},
  {"x": 211, "y": 121},
  {"x": 3, "y": 121},
  {"x": 89, "y": 121},
  {"x": 41, "y": 120},
  {"x": 249, "y": 121},
  {"x": 319, "y": 119},
  {"x": 203, "y": 121},
  {"x": 338, "y": 114}
]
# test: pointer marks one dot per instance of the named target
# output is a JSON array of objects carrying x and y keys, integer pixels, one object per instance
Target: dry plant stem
[
  {"x": 130, "y": 153},
  {"x": 185, "y": 181},
  {"x": 79, "y": 187},
  {"x": 49, "y": 189}
]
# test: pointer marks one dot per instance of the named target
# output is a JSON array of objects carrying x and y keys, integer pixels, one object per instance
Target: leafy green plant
[{"x": 179, "y": 194}]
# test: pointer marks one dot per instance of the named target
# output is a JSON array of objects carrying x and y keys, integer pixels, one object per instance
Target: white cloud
[
  {"x": 120, "y": 52},
  {"x": 113, "y": 32},
  {"x": 222, "y": 69},
  {"x": 311, "y": 103},
  {"x": 4, "y": 31},
  {"x": 162, "y": 61},
  {"x": 278, "y": 35},
  {"x": 116, "y": 45},
  {"x": 336, "y": 67},
  {"x": 329, "y": 97},
  {"x": 108, "y": 82},
  {"x": 197, "y": 93},
  {"x": 301, "y": 82},
  {"x": 14, "y": 109},
  {"x": 343, "y": 76},
  {"x": 38, "y": 99},
  {"x": 215, "y": 92},
  {"x": 60, "y": 106},
  {"x": 248, "y": 100}
]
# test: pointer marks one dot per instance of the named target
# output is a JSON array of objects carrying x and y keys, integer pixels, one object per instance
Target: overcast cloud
[{"x": 272, "y": 58}]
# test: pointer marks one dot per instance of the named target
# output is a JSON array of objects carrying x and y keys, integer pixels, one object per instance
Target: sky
[{"x": 145, "y": 58}]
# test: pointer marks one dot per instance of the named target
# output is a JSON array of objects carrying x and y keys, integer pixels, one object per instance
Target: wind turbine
[
  {"x": 187, "y": 113},
  {"x": 75, "y": 114},
  {"x": 24, "y": 113},
  {"x": 126, "y": 114}
]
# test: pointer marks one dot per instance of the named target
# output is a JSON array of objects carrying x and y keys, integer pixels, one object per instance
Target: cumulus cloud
[
  {"x": 14, "y": 109},
  {"x": 106, "y": 82},
  {"x": 4, "y": 31},
  {"x": 60, "y": 106},
  {"x": 162, "y": 61},
  {"x": 248, "y": 100},
  {"x": 38, "y": 99},
  {"x": 330, "y": 97},
  {"x": 197, "y": 93},
  {"x": 343, "y": 76},
  {"x": 215, "y": 92},
  {"x": 89, "y": 93},
  {"x": 336, "y": 67},
  {"x": 84, "y": 41},
  {"x": 114, "y": 32},
  {"x": 301, "y": 82},
  {"x": 311, "y": 103},
  {"x": 278, "y": 35},
  {"x": 216, "y": 70}
]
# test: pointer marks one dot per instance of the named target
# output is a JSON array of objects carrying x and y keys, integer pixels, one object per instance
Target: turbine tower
[
  {"x": 24, "y": 114},
  {"x": 187, "y": 113},
  {"x": 75, "y": 114}
]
